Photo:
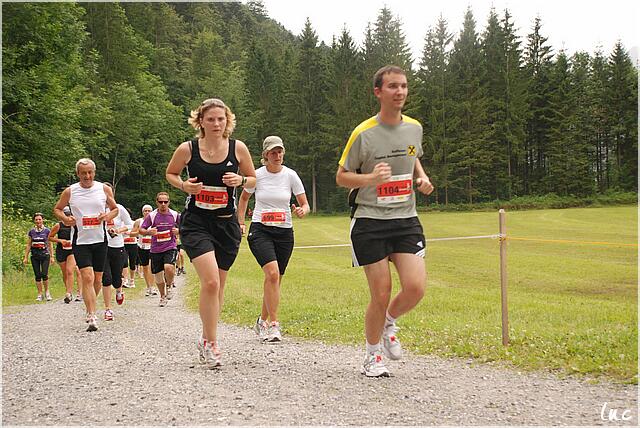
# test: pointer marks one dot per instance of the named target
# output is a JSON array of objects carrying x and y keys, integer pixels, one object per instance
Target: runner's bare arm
[
  {"x": 179, "y": 160},
  {"x": 422, "y": 180},
  {"x": 381, "y": 174},
  {"x": 247, "y": 176},
  {"x": 242, "y": 209},
  {"x": 111, "y": 204},
  {"x": 63, "y": 202}
]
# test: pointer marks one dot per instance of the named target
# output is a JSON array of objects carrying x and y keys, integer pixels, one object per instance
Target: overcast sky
[{"x": 570, "y": 24}]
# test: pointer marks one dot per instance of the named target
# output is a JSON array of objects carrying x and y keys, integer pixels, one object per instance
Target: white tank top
[
  {"x": 144, "y": 242},
  {"x": 86, "y": 205}
]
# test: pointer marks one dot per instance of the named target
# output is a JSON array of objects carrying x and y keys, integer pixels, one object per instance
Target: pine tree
[
  {"x": 435, "y": 108},
  {"x": 623, "y": 117},
  {"x": 470, "y": 158},
  {"x": 538, "y": 61}
]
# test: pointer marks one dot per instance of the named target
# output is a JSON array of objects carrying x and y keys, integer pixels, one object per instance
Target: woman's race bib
[
  {"x": 38, "y": 245},
  {"x": 212, "y": 197},
  {"x": 398, "y": 189},
  {"x": 273, "y": 217},
  {"x": 66, "y": 245}
]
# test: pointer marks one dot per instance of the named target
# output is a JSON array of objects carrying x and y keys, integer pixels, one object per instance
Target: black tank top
[
  {"x": 63, "y": 233},
  {"x": 216, "y": 198}
]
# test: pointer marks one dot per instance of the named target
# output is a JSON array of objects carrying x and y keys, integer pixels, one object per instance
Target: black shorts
[
  {"x": 143, "y": 256},
  {"x": 271, "y": 243},
  {"x": 201, "y": 235},
  {"x": 62, "y": 254},
  {"x": 93, "y": 255},
  {"x": 158, "y": 260},
  {"x": 372, "y": 240}
]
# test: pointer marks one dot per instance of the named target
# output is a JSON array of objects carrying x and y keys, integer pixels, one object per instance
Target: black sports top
[
  {"x": 215, "y": 198},
  {"x": 64, "y": 232}
]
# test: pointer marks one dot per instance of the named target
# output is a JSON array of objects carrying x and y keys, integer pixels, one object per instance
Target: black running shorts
[
  {"x": 91, "y": 255},
  {"x": 201, "y": 235},
  {"x": 271, "y": 243},
  {"x": 372, "y": 240},
  {"x": 62, "y": 254},
  {"x": 158, "y": 260},
  {"x": 143, "y": 256}
]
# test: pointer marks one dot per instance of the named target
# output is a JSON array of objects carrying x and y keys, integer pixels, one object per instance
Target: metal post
[{"x": 503, "y": 277}]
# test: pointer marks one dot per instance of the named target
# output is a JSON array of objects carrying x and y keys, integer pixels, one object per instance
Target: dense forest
[{"x": 503, "y": 116}]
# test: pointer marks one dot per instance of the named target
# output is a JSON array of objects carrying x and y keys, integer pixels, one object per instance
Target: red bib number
[
  {"x": 129, "y": 240},
  {"x": 90, "y": 222},
  {"x": 398, "y": 189},
  {"x": 273, "y": 217},
  {"x": 38, "y": 245},
  {"x": 67, "y": 245},
  {"x": 212, "y": 198},
  {"x": 163, "y": 236}
]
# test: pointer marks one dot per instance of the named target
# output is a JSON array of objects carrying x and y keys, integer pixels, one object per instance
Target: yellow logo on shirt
[{"x": 411, "y": 150}]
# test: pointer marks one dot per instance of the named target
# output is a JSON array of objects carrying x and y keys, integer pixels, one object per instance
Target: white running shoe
[
  {"x": 147, "y": 292},
  {"x": 208, "y": 354},
  {"x": 169, "y": 292},
  {"x": 274, "y": 333},
  {"x": 108, "y": 315},
  {"x": 132, "y": 283},
  {"x": 163, "y": 302},
  {"x": 261, "y": 329},
  {"x": 373, "y": 366},
  {"x": 390, "y": 343},
  {"x": 39, "y": 298},
  {"x": 49, "y": 297},
  {"x": 92, "y": 320}
]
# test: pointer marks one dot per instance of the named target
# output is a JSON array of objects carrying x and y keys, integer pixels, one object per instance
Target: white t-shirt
[
  {"x": 122, "y": 219},
  {"x": 273, "y": 194}
]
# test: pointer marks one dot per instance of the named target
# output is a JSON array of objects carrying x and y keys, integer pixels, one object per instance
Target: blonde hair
[{"x": 198, "y": 114}]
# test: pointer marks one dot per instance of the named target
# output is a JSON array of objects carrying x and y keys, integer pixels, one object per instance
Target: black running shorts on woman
[
  {"x": 201, "y": 234},
  {"x": 271, "y": 243},
  {"x": 372, "y": 240}
]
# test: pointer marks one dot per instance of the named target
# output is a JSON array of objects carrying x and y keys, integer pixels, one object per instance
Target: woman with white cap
[
  {"x": 271, "y": 232},
  {"x": 61, "y": 234}
]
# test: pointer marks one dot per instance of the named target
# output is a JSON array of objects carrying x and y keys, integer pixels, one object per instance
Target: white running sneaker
[
  {"x": 261, "y": 329},
  {"x": 169, "y": 292},
  {"x": 390, "y": 343},
  {"x": 274, "y": 333},
  {"x": 373, "y": 366},
  {"x": 163, "y": 302},
  {"x": 39, "y": 298},
  {"x": 49, "y": 297},
  {"x": 208, "y": 354},
  {"x": 147, "y": 292},
  {"x": 92, "y": 320},
  {"x": 132, "y": 283}
]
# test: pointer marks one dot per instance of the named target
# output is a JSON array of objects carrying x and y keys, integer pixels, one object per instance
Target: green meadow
[{"x": 572, "y": 306}]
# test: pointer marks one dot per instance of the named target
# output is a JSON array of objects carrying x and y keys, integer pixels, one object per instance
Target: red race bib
[
  {"x": 212, "y": 198},
  {"x": 398, "y": 189},
  {"x": 273, "y": 217}
]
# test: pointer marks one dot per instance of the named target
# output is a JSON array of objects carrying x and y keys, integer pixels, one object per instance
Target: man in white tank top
[{"x": 87, "y": 200}]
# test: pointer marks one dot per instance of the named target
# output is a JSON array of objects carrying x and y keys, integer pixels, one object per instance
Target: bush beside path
[{"x": 142, "y": 369}]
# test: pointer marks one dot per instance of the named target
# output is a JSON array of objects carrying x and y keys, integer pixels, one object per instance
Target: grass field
[{"x": 572, "y": 307}]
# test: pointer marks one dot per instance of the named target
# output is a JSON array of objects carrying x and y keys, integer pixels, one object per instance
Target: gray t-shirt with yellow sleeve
[{"x": 399, "y": 145}]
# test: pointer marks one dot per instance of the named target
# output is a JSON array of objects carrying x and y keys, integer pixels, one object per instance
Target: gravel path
[{"x": 142, "y": 369}]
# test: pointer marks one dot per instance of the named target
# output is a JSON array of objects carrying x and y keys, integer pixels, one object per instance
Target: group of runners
[{"x": 380, "y": 163}]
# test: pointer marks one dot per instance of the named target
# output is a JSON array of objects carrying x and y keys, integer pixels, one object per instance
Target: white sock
[
  {"x": 372, "y": 348},
  {"x": 389, "y": 320}
]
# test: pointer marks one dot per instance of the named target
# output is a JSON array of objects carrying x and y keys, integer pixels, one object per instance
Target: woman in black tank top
[
  {"x": 209, "y": 228},
  {"x": 61, "y": 234}
]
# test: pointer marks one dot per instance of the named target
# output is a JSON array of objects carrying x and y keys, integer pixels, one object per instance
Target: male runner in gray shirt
[{"x": 381, "y": 162}]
